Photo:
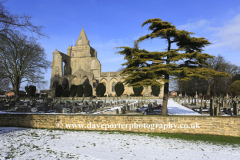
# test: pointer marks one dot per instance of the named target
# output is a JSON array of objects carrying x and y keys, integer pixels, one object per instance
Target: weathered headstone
[
  {"x": 211, "y": 107},
  {"x": 225, "y": 110},
  {"x": 229, "y": 111},
  {"x": 122, "y": 111},
  {"x": 200, "y": 109},
  {"x": 117, "y": 111},
  {"x": 216, "y": 110},
  {"x": 75, "y": 110},
  {"x": 128, "y": 107},
  {"x": 64, "y": 110},
  {"x": 235, "y": 108},
  {"x": 149, "y": 107},
  {"x": 124, "y": 107}
]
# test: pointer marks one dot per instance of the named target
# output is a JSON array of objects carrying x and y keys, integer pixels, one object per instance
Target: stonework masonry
[
  {"x": 81, "y": 66},
  {"x": 228, "y": 126}
]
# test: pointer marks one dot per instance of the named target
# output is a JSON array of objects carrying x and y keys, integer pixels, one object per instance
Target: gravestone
[
  {"x": 64, "y": 110},
  {"x": 139, "y": 104},
  {"x": 94, "y": 106},
  {"x": 235, "y": 108},
  {"x": 225, "y": 110},
  {"x": 229, "y": 111},
  {"x": 122, "y": 111},
  {"x": 211, "y": 107},
  {"x": 149, "y": 107},
  {"x": 205, "y": 104},
  {"x": 216, "y": 110},
  {"x": 117, "y": 111},
  {"x": 200, "y": 109},
  {"x": 128, "y": 107},
  {"x": 75, "y": 110},
  {"x": 124, "y": 107},
  {"x": 155, "y": 103},
  {"x": 218, "y": 107}
]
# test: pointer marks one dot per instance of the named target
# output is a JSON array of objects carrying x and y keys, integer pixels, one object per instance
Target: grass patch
[
  {"x": 214, "y": 139},
  {"x": 208, "y": 138}
]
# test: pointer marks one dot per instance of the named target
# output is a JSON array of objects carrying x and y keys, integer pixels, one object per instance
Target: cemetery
[
  {"x": 122, "y": 105},
  {"x": 222, "y": 113}
]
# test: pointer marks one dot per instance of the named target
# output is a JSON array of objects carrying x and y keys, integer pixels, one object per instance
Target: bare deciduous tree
[
  {"x": 16, "y": 49},
  {"x": 22, "y": 59},
  {"x": 9, "y": 23}
]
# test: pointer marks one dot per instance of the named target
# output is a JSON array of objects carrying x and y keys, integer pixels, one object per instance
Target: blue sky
[{"x": 114, "y": 23}]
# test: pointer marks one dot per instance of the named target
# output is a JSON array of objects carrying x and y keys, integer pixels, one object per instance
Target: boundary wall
[{"x": 229, "y": 126}]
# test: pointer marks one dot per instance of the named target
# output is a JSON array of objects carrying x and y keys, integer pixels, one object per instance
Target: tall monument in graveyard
[{"x": 81, "y": 66}]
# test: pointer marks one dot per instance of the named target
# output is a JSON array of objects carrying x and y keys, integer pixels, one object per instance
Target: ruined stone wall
[{"x": 229, "y": 126}]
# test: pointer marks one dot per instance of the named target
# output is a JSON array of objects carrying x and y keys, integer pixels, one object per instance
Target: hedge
[
  {"x": 155, "y": 90},
  {"x": 59, "y": 91},
  {"x": 88, "y": 90},
  {"x": 235, "y": 88},
  {"x": 73, "y": 90},
  {"x": 100, "y": 90},
  {"x": 65, "y": 93},
  {"x": 31, "y": 90},
  {"x": 119, "y": 88},
  {"x": 80, "y": 90},
  {"x": 137, "y": 90}
]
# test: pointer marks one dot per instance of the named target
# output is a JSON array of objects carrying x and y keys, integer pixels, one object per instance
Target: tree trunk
[
  {"x": 16, "y": 88},
  {"x": 209, "y": 87},
  {"x": 214, "y": 89},
  {"x": 208, "y": 91},
  {"x": 165, "y": 96},
  {"x": 166, "y": 85}
]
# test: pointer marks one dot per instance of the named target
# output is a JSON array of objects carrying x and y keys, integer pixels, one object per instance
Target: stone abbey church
[{"x": 81, "y": 66}]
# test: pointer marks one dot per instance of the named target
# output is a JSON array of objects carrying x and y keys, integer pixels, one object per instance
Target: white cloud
[
  {"x": 228, "y": 36},
  {"x": 191, "y": 26},
  {"x": 224, "y": 37}
]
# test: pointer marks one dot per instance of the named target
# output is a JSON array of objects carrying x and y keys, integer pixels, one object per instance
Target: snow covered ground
[
  {"x": 22, "y": 143},
  {"x": 176, "y": 109},
  {"x": 173, "y": 108}
]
